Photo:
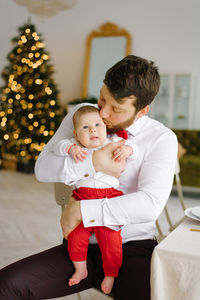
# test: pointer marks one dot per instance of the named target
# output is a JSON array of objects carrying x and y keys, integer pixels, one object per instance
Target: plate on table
[
  {"x": 189, "y": 213},
  {"x": 196, "y": 211}
]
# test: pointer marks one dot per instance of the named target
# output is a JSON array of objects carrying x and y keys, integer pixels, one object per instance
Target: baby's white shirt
[{"x": 100, "y": 179}]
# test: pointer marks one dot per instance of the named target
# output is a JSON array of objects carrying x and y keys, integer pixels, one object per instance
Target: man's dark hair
[{"x": 133, "y": 76}]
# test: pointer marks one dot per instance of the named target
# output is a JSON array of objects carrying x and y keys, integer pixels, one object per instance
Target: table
[{"x": 175, "y": 266}]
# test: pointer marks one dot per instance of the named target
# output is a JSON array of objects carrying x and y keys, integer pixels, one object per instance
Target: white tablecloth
[{"x": 175, "y": 267}]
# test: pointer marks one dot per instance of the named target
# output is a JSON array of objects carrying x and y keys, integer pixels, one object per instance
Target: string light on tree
[{"x": 29, "y": 98}]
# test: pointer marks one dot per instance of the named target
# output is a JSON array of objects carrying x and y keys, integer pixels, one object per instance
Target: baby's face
[{"x": 90, "y": 130}]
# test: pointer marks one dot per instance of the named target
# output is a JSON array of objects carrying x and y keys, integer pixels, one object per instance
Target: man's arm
[{"x": 49, "y": 166}]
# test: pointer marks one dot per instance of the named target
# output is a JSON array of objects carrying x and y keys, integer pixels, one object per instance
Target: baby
[{"x": 90, "y": 133}]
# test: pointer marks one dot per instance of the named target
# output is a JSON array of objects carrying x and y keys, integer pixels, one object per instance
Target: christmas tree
[{"x": 29, "y": 112}]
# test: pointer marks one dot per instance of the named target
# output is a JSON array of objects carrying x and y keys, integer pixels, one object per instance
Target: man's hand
[
  {"x": 71, "y": 217},
  {"x": 103, "y": 160}
]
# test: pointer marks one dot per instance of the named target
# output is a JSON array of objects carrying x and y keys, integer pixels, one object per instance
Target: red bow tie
[{"x": 122, "y": 133}]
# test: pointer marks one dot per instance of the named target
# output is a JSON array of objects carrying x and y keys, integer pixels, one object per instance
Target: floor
[{"x": 29, "y": 220}]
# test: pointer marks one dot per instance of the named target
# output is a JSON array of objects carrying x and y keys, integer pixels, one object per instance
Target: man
[{"x": 129, "y": 88}]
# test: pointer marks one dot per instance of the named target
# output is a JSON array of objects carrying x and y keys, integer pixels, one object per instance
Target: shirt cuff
[
  {"x": 91, "y": 211},
  {"x": 92, "y": 214}
]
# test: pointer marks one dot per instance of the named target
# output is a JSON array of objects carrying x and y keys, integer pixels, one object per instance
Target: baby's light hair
[{"x": 82, "y": 111}]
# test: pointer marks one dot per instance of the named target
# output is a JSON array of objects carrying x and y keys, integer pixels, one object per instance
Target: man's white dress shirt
[{"x": 146, "y": 182}]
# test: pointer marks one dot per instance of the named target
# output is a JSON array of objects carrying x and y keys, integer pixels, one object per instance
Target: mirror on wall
[{"x": 104, "y": 47}]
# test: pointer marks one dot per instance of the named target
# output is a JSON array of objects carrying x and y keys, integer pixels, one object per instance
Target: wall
[{"x": 164, "y": 31}]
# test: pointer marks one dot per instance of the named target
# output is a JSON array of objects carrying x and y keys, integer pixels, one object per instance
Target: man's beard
[{"x": 113, "y": 128}]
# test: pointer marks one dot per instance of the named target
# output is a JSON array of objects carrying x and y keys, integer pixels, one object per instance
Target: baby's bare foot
[
  {"x": 77, "y": 277},
  {"x": 107, "y": 284},
  {"x": 80, "y": 272}
]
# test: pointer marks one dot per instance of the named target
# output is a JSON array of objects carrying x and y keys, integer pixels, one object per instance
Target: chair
[
  {"x": 62, "y": 194},
  {"x": 181, "y": 200}
]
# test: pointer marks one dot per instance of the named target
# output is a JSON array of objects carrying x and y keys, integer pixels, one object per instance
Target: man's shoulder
[
  {"x": 156, "y": 131},
  {"x": 157, "y": 126}
]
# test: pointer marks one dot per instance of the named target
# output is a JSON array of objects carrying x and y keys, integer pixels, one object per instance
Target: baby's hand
[
  {"x": 122, "y": 153},
  {"x": 77, "y": 153}
]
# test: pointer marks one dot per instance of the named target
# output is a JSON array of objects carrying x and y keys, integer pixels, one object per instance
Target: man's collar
[{"x": 135, "y": 128}]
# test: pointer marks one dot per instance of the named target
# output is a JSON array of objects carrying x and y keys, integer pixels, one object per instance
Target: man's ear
[{"x": 143, "y": 112}]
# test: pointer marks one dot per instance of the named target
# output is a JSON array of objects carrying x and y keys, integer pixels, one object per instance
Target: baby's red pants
[{"x": 109, "y": 241}]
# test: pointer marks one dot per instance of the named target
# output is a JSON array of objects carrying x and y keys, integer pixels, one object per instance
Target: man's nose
[{"x": 104, "y": 112}]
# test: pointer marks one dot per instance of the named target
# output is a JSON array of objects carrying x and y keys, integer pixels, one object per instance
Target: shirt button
[
  {"x": 86, "y": 175},
  {"x": 92, "y": 221}
]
